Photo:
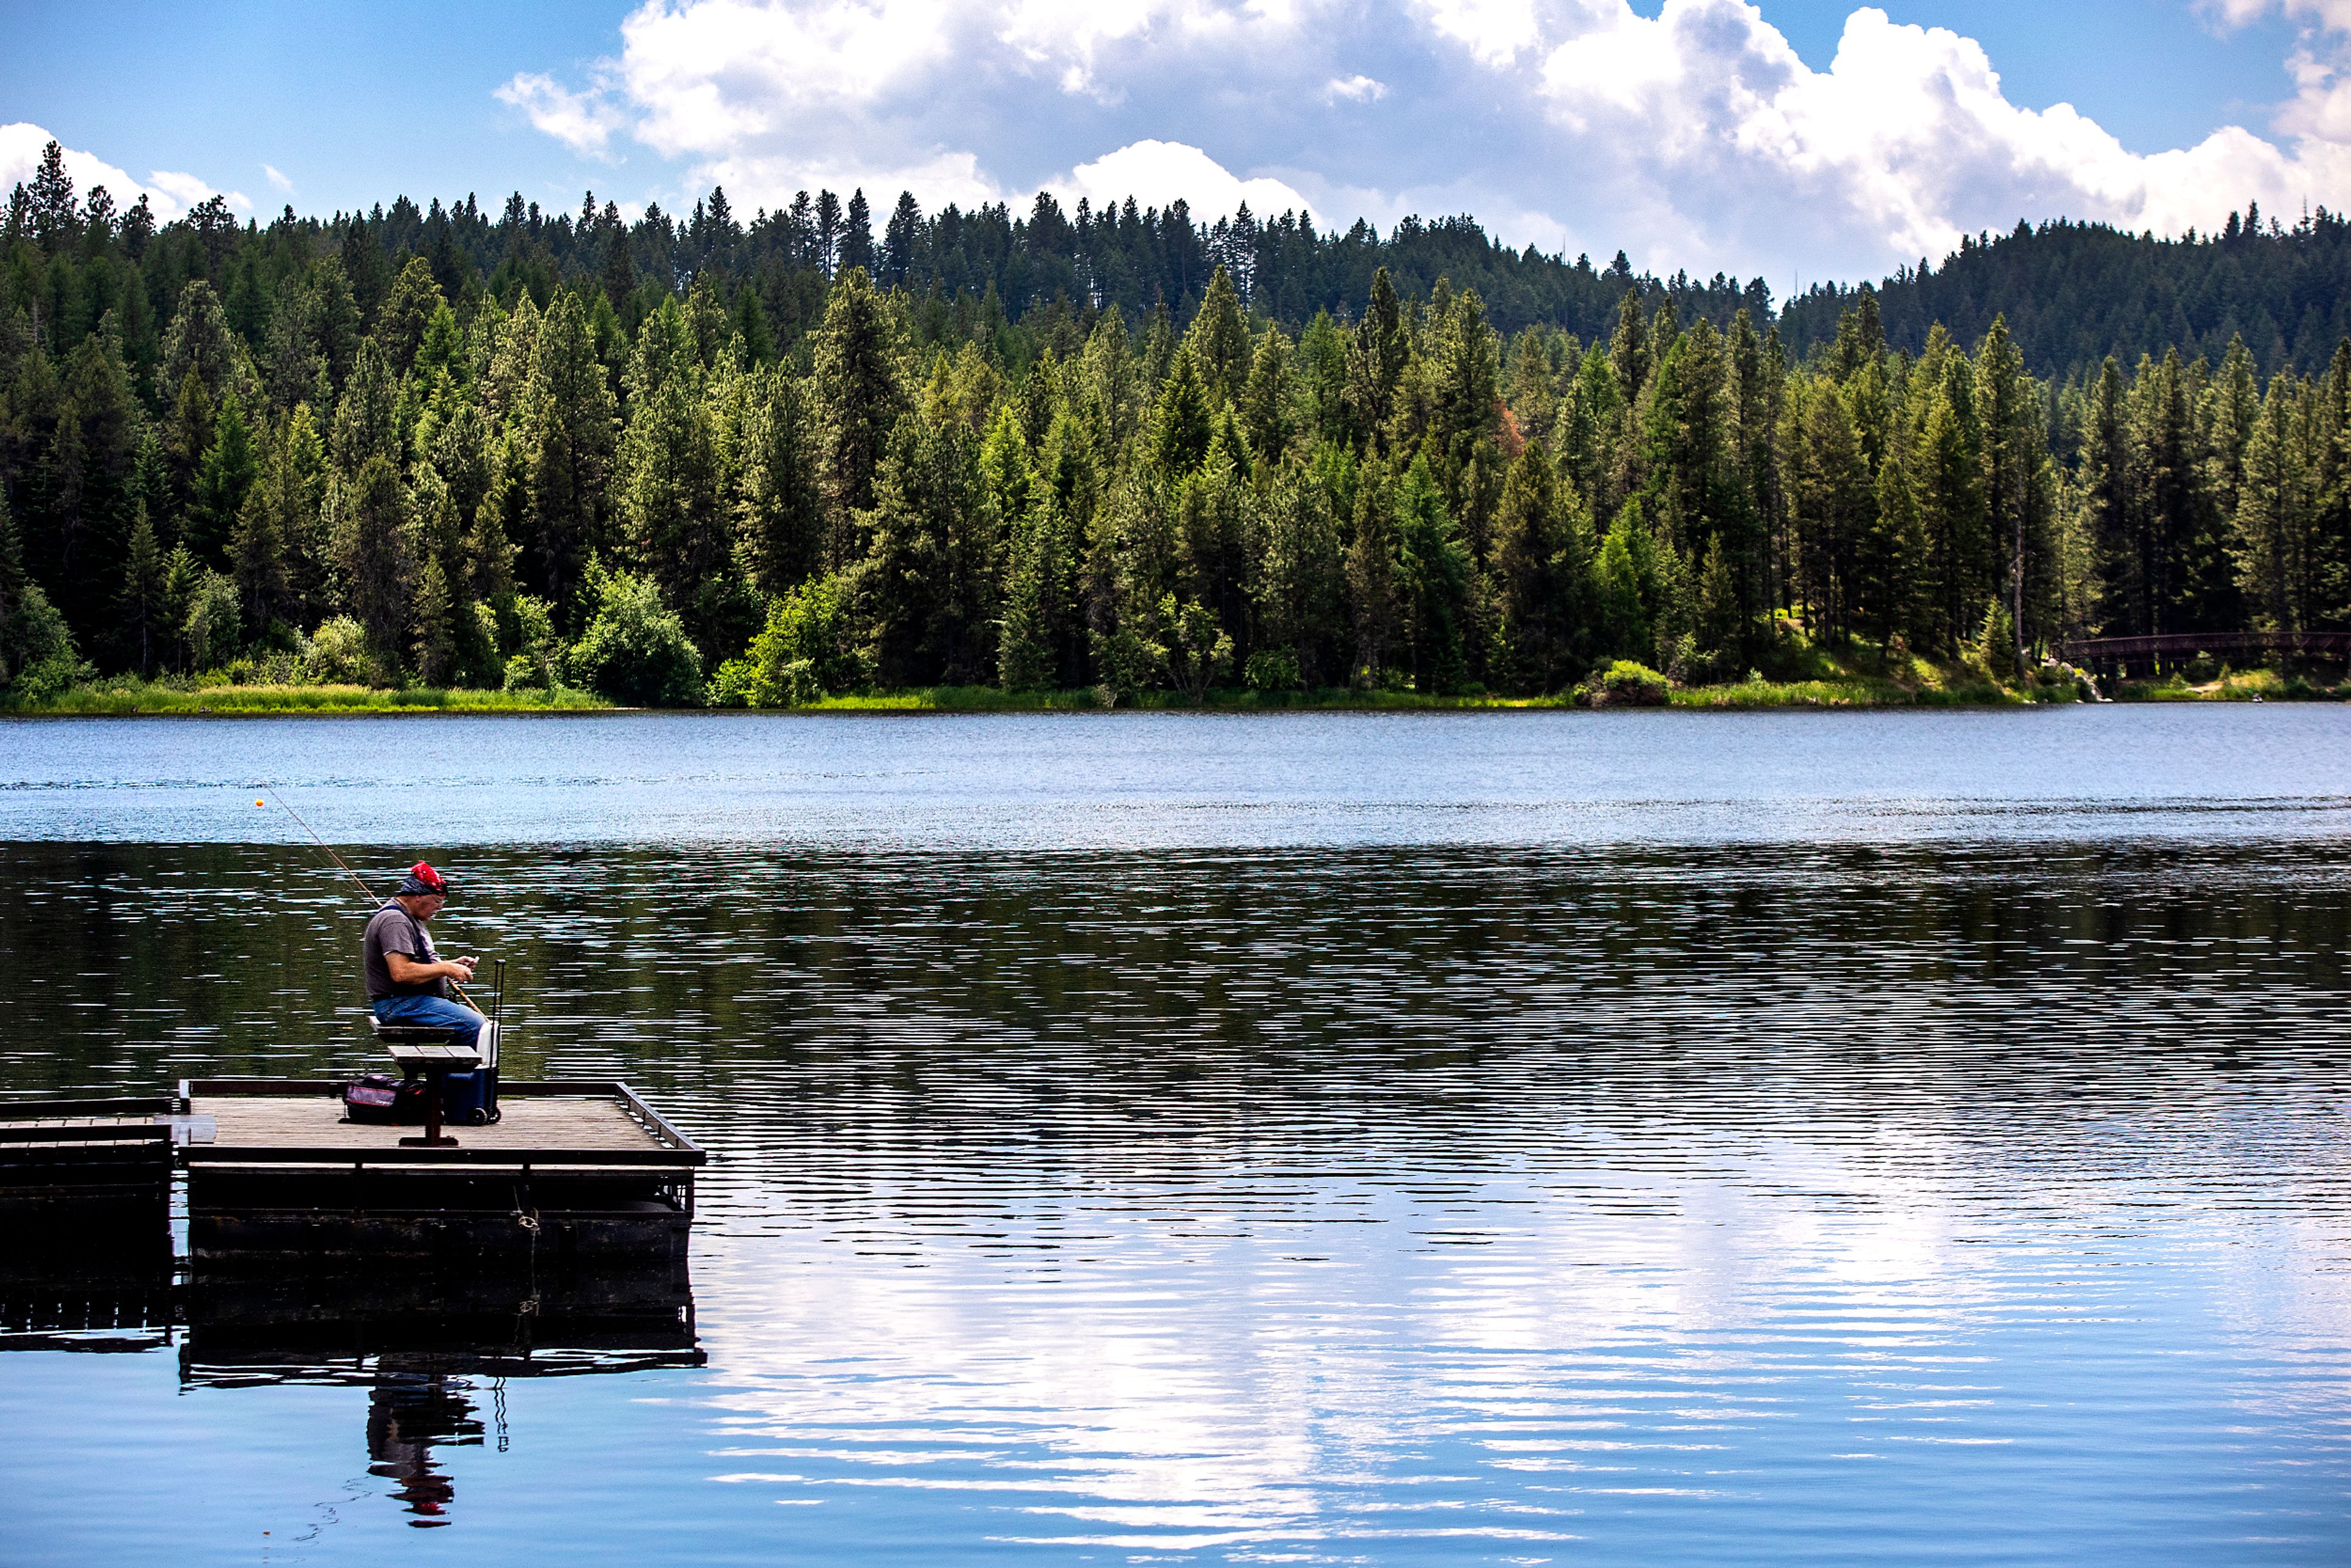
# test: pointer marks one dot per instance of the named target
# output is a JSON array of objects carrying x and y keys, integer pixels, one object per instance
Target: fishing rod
[{"x": 271, "y": 791}]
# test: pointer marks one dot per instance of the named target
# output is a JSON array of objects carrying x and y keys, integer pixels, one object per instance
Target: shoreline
[{"x": 1749, "y": 697}]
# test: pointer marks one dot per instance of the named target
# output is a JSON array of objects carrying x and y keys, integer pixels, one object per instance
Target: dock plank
[{"x": 314, "y": 1121}]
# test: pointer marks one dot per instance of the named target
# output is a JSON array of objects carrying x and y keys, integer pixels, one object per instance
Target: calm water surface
[{"x": 1515, "y": 1138}]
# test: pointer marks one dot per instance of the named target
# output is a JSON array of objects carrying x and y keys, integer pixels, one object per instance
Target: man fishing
[{"x": 406, "y": 979}]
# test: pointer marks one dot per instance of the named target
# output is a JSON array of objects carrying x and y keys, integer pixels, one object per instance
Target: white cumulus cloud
[
  {"x": 1906, "y": 141},
  {"x": 1696, "y": 136},
  {"x": 277, "y": 180},
  {"x": 185, "y": 190},
  {"x": 169, "y": 194},
  {"x": 1494, "y": 31},
  {"x": 1156, "y": 174},
  {"x": 584, "y": 121}
]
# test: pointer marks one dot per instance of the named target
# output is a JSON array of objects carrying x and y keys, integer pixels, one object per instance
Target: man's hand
[{"x": 407, "y": 971}]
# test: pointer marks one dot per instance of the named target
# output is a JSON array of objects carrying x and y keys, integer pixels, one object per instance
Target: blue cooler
[
  {"x": 471, "y": 1099},
  {"x": 466, "y": 1097}
]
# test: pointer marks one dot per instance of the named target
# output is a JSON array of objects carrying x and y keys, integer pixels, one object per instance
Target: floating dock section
[
  {"x": 574, "y": 1172},
  {"x": 75, "y": 1170}
]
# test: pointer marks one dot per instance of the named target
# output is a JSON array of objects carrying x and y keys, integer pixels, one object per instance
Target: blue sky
[{"x": 1711, "y": 134}]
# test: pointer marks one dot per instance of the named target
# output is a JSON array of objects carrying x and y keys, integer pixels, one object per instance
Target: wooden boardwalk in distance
[{"x": 2121, "y": 656}]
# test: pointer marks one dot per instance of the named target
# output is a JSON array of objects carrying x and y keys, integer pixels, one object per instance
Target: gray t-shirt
[{"x": 394, "y": 930}]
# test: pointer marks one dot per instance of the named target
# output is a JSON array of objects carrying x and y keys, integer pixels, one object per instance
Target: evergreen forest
[{"x": 701, "y": 459}]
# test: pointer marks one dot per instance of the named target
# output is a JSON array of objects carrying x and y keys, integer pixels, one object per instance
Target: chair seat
[
  {"x": 433, "y": 1057},
  {"x": 408, "y": 1033}
]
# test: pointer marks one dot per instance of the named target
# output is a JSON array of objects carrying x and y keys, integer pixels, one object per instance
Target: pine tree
[
  {"x": 1109, "y": 384},
  {"x": 567, "y": 432},
  {"x": 435, "y": 645},
  {"x": 1181, "y": 426},
  {"x": 826, "y": 232},
  {"x": 189, "y": 431},
  {"x": 759, "y": 343},
  {"x": 1219, "y": 340},
  {"x": 2014, "y": 453},
  {"x": 141, "y": 602},
  {"x": 1302, "y": 584},
  {"x": 1434, "y": 578},
  {"x": 200, "y": 342},
  {"x": 367, "y": 416},
  {"x": 13, "y": 576},
  {"x": 1948, "y": 479},
  {"x": 55, "y": 217},
  {"x": 1371, "y": 588},
  {"x": 91, "y": 455},
  {"x": 1376, "y": 364},
  {"x": 778, "y": 502},
  {"x": 930, "y": 568},
  {"x": 1465, "y": 382},
  {"x": 2274, "y": 539},
  {"x": 296, "y": 476},
  {"x": 1894, "y": 556},
  {"x": 1536, "y": 601},
  {"x": 1833, "y": 506},
  {"x": 857, "y": 233},
  {"x": 223, "y": 479},
  {"x": 2103, "y": 483},
  {"x": 860, "y": 391},
  {"x": 620, "y": 269},
  {"x": 407, "y": 314},
  {"x": 1266, "y": 399},
  {"x": 1629, "y": 350},
  {"x": 376, "y": 549},
  {"x": 257, "y": 557},
  {"x": 1036, "y": 606},
  {"x": 1321, "y": 376},
  {"x": 671, "y": 482},
  {"x": 899, "y": 241},
  {"x": 1533, "y": 394}
]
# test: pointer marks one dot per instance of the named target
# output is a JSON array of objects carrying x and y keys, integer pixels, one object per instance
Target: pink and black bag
[{"x": 380, "y": 1098}]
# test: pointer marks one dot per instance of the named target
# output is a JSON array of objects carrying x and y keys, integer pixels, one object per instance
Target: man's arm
[{"x": 407, "y": 971}]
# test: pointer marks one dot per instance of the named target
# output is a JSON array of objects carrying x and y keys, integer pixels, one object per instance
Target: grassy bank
[
  {"x": 123, "y": 698},
  {"x": 1914, "y": 683},
  {"x": 2234, "y": 686},
  {"x": 1093, "y": 699},
  {"x": 1859, "y": 682}
]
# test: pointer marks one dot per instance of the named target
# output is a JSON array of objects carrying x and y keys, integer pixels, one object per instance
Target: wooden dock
[
  {"x": 81, "y": 1173},
  {"x": 574, "y": 1172}
]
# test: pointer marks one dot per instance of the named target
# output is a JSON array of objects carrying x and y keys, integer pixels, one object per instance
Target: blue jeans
[{"x": 464, "y": 1024}]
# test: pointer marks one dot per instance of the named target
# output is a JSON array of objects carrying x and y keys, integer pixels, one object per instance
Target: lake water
[{"x": 1500, "y": 1138}]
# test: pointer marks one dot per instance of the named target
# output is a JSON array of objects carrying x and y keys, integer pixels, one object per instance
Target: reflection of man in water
[{"x": 407, "y": 1413}]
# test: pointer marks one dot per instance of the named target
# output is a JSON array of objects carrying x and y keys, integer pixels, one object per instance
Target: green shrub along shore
[{"x": 1862, "y": 681}]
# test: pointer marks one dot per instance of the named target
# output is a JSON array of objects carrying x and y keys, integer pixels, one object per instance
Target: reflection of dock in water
[{"x": 506, "y": 1322}]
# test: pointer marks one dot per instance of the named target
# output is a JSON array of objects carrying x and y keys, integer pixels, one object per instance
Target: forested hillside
[
  {"x": 707, "y": 460},
  {"x": 2075, "y": 293}
]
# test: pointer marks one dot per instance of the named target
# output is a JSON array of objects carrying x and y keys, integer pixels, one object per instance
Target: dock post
[{"x": 432, "y": 1138}]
